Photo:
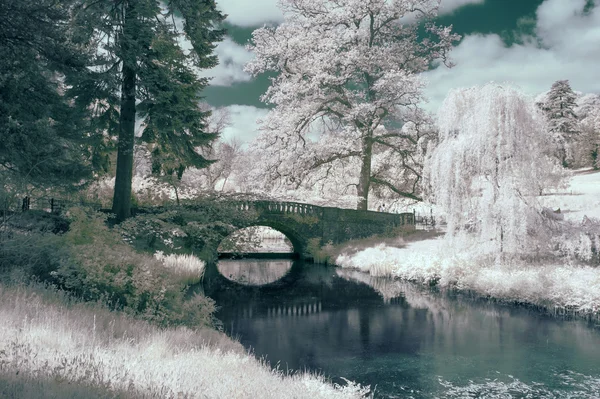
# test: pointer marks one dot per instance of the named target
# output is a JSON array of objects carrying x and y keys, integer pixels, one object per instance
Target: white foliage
[
  {"x": 438, "y": 261},
  {"x": 182, "y": 263},
  {"x": 490, "y": 165},
  {"x": 347, "y": 68},
  {"x": 44, "y": 338},
  {"x": 588, "y": 145},
  {"x": 559, "y": 108}
]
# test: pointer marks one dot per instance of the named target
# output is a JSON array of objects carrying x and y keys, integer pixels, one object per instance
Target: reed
[{"x": 54, "y": 346}]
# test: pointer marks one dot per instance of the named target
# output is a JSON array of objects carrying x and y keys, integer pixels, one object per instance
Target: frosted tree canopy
[
  {"x": 490, "y": 166},
  {"x": 348, "y": 69}
]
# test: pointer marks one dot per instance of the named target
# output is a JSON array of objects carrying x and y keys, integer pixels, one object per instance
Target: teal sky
[{"x": 530, "y": 43}]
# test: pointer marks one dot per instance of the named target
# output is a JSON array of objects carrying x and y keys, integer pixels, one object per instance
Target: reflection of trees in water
[
  {"x": 516, "y": 337},
  {"x": 254, "y": 272},
  {"x": 334, "y": 320},
  {"x": 256, "y": 239}
]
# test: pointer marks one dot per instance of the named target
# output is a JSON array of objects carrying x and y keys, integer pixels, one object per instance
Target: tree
[
  {"x": 588, "y": 113},
  {"x": 351, "y": 66},
  {"x": 225, "y": 152},
  {"x": 217, "y": 175},
  {"x": 142, "y": 70},
  {"x": 214, "y": 177},
  {"x": 559, "y": 108},
  {"x": 42, "y": 140},
  {"x": 486, "y": 172}
]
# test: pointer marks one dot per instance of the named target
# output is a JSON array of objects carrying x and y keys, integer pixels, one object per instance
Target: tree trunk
[
  {"x": 122, "y": 195},
  {"x": 364, "y": 180}
]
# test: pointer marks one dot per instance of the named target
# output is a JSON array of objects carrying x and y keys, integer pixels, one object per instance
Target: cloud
[
  {"x": 243, "y": 122},
  {"x": 232, "y": 57},
  {"x": 246, "y": 13},
  {"x": 448, "y": 6},
  {"x": 251, "y": 13},
  {"x": 564, "y": 47}
]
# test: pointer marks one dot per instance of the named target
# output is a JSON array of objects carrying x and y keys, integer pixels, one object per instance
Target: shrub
[
  {"x": 100, "y": 266},
  {"x": 581, "y": 241},
  {"x": 92, "y": 262},
  {"x": 319, "y": 254},
  {"x": 188, "y": 268},
  {"x": 32, "y": 254}
]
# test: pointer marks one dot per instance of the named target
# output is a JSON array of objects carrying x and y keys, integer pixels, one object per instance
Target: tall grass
[
  {"x": 548, "y": 284},
  {"x": 71, "y": 349},
  {"x": 187, "y": 269}
]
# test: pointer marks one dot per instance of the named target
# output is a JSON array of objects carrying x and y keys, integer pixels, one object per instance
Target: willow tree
[
  {"x": 488, "y": 168},
  {"x": 352, "y": 65},
  {"x": 146, "y": 66}
]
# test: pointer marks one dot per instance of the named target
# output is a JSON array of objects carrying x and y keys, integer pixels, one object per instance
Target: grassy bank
[
  {"x": 110, "y": 322},
  {"x": 564, "y": 287},
  {"x": 567, "y": 281},
  {"x": 54, "y": 346}
]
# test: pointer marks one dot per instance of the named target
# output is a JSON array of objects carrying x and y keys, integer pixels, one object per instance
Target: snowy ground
[
  {"x": 581, "y": 198},
  {"x": 549, "y": 284}
]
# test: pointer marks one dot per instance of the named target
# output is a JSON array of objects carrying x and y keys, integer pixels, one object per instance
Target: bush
[
  {"x": 319, "y": 254},
  {"x": 33, "y": 254},
  {"x": 579, "y": 241},
  {"x": 188, "y": 268},
  {"x": 100, "y": 266},
  {"x": 93, "y": 263},
  {"x": 197, "y": 227}
]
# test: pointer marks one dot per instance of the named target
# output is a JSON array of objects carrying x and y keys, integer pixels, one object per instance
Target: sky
[{"x": 529, "y": 43}]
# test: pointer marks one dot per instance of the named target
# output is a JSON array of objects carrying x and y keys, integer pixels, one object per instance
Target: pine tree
[
  {"x": 42, "y": 140},
  {"x": 588, "y": 113},
  {"x": 141, "y": 70},
  {"x": 559, "y": 108}
]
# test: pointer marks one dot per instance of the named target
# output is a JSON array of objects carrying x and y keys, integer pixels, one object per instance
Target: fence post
[{"x": 26, "y": 204}]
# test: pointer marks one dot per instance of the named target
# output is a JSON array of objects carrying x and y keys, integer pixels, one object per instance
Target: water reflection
[
  {"x": 411, "y": 343},
  {"x": 256, "y": 239},
  {"x": 254, "y": 271}
]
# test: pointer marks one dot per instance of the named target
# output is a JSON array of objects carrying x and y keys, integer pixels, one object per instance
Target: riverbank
[
  {"x": 51, "y": 345},
  {"x": 561, "y": 285}
]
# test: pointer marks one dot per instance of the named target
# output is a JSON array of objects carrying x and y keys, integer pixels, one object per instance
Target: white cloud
[
  {"x": 254, "y": 13},
  {"x": 251, "y": 13},
  {"x": 244, "y": 124},
  {"x": 569, "y": 42},
  {"x": 232, "y": 57},
  {"x": 448, "y": 6}
]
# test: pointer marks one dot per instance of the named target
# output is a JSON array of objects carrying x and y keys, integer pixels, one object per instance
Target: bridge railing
[
  {"x": 297, "y": 208},
  {"x": 282, "y": 207}
]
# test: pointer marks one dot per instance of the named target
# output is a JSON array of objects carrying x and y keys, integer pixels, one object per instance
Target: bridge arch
[
  {"x": 215, "y": 281},
  {"x": 297, "y": 240}
]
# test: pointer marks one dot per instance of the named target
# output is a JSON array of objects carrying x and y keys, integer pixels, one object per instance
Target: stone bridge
[{"x": 301, "y": 222}]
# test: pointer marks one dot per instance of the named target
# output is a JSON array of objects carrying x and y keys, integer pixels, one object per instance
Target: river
[{"x": 402, "y": 340}]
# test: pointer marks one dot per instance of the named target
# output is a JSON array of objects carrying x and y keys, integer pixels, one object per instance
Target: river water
[{"x": 402, "y": 340}]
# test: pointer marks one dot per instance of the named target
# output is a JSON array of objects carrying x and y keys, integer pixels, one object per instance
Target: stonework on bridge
[{"x": 302, "y": 222}]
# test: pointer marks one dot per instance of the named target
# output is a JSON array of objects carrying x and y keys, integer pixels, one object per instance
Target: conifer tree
[
  {"x": 141, "y": 70},
  {"x": 559, "y": 109},
  {"x": 41, "y": 135}
]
